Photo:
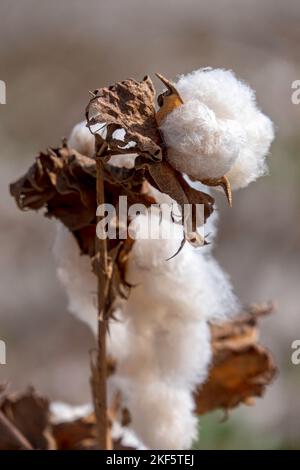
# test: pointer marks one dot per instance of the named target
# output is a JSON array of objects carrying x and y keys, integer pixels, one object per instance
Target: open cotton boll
[
  {"x": 161, "y": 341},
  {"x": 200, "y": 144},
  {"x": 218, "y": 130}
]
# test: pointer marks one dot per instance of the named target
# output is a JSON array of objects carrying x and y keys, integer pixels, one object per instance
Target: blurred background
[{"x": 51, "y": 54}]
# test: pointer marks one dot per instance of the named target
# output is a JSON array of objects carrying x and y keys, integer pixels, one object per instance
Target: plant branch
[{"x": 99, "y": 370}]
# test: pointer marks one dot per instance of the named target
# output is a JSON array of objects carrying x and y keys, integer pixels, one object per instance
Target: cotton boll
[
  {"x": 218, "y": 130},
  {"x": 161, "y": 339},
  {"x": 200, "y": 144}
]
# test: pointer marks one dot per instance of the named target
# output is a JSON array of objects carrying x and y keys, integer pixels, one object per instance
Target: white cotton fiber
[
  {"x": 62, "y": 412},
  {"x": 218, "y": 130},
  {"x": 161, "y": 339},
  {"x": 162, "y": 415},
  {"x": 82, "y": 140},
  {"x": 75, "y": 273}
]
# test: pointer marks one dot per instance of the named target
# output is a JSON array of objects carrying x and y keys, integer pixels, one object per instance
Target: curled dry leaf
[
  {"x": 127, "y": 105},
  {"x": 63, "y": 182},
  {"x": 241, "y": 368}
]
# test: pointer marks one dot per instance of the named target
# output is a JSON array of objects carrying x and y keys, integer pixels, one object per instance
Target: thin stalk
[{"x": 100, "y": 371}]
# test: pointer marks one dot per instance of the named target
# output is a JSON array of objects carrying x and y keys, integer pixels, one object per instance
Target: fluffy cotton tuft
[
  {"x": 161, "y": 340},
  {"x": 218, "y": 130},
  {"x": 163, "y": 416},
  {"x": 82, "y": 140},
  {"x": 62, "y": 412},
  {"x": 75, "y": 273}
]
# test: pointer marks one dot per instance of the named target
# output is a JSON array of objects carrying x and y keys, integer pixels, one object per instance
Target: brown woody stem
[{"x": 100, "y": 370}]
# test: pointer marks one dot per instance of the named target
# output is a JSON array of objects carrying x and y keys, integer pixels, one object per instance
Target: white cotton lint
[{"x": 218, "y": 130}]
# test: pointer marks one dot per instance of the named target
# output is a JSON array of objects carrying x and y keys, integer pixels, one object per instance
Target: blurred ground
[{"x": 51, "y": 54}]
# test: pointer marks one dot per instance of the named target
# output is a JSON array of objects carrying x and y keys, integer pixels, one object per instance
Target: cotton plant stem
[{"x": 100, "y": 393}]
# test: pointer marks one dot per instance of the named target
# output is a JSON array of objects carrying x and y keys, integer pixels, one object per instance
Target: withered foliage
[
  {"x": 169, "y": 181},
  {"x": 127, "y": 105},
  {"x": 63, "y": 182},
  {"x": 24, "y": 421},
  {"x": 241, "y": 370}
]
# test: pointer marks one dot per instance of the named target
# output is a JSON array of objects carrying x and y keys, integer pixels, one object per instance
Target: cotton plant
[
  {"x": 161, "y": 339},
  {"x": 207, "y": 132}
]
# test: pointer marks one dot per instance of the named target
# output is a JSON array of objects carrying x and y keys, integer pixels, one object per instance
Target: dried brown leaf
[
  {"x": 241, "y": 368},
  {"x": 28, "y": 414},
  {"x": 63, "y": 182},
  {"x": 169, "y": 181},
  {"x": 76, "y": 434},
  {"x": 127, "y": 105}
]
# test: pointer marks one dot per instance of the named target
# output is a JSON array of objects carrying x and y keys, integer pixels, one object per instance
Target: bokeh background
[{"x": 51, "y": 54}]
